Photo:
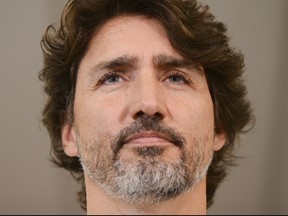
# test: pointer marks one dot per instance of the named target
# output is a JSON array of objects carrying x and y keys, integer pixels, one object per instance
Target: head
[{"x": 97, "y": 66}]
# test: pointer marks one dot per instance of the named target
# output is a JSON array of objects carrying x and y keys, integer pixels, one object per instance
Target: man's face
[{"x": 143, "y": 115}]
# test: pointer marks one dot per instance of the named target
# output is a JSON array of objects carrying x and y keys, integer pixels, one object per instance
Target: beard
[{"x": 149, "y": 178}]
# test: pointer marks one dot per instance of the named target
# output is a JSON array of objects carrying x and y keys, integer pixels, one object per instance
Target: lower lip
[{"x": 148, "y": 141}]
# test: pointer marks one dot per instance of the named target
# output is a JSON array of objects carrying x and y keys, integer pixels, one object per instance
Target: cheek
[
  {"x": 95, "y": 117},
  {"x": 194, "y": 117}
]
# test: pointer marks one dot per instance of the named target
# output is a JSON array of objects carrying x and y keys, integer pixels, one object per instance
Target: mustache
[{"x": 146, "y": 123}]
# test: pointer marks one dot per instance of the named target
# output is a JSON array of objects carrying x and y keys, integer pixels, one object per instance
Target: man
[{"x": 145, "y": 100}]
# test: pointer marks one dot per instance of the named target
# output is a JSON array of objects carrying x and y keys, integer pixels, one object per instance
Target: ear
[
  {"x": 68, "y": 137},
  {"x": 219, "y": 141}
]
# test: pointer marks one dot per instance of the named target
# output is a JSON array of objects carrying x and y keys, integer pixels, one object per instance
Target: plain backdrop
[{"x": 31, "y": 184}]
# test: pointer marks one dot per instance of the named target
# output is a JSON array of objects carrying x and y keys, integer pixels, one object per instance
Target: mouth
[{"x": 147, "y": 139}]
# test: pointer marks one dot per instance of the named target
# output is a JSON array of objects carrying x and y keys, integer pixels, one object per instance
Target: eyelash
[
  {"x": 107, "y": 76},
  {"x": 180, "y": 74}
]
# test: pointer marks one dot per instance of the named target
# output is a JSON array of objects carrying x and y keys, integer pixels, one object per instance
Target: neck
[{"x": 191, "y": 202}]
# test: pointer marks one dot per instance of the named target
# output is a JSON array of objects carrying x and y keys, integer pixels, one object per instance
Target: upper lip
[{"x": 146, "y": 134}]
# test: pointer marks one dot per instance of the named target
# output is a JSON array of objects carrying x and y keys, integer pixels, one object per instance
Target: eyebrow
[
  {"x": 166, "y": 61},
  {"x": 121, "y": 61},
  {"x": 131, "y": 61}
]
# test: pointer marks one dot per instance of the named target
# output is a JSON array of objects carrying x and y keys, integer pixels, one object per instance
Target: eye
[
  {"x": 111, "y": 78},
  {"x": 177, "y": 77}
]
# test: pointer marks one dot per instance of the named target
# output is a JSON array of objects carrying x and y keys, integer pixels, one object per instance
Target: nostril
[
  {"x": 139, "y": 114},
  {"x": 148, "y": 106},
  {"x": 156, "y": 116}
]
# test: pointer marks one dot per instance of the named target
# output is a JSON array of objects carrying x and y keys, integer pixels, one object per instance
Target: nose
[{"x": 148, "y": 98}]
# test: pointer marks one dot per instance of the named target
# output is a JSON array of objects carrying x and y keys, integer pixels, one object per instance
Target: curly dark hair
[{"x": 192, "y": 31}]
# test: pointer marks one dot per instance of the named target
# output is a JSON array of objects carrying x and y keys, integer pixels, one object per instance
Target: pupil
[
  {"x": 175, "y": 79},
  {"x": 113, "y": 79}
]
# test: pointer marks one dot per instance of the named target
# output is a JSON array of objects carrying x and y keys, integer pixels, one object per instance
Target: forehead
[
  {"x": 122, "y": 24},
  {"x": 125, "y": 33}
]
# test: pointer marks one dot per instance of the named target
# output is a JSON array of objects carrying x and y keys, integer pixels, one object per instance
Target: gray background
[{"x": 30, "y": 184}]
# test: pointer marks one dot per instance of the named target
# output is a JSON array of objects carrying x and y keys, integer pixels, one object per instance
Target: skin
[{"x": 106, "y": 102}]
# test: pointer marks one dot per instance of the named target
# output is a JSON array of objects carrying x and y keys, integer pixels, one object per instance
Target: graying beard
[
  {"x": 149, "y": 151},
  {"x": 149, "y": 182}
]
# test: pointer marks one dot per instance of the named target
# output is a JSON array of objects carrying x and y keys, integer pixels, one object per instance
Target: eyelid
[
  {"x": 103, "y": 79},
  {"x": 186, "y": 78}
]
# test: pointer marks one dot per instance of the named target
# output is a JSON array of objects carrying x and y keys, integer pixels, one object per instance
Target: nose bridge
[
  {"x": 149, "y": 97},
  {"x": 149, "y": 88}
]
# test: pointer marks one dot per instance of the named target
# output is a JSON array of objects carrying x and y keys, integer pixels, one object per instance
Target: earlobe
[
  {"x": 219, "y": 141},
  {"x": 68, "y": 137}
]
